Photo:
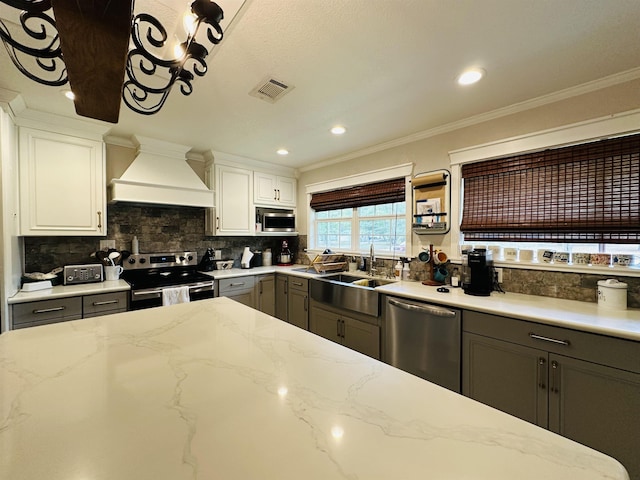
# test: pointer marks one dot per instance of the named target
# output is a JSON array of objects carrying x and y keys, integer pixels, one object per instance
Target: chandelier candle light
[{"x": 86, "y": 43}]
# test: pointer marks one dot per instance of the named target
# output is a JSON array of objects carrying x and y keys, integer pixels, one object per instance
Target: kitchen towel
[{"x": 173, "y": 296}]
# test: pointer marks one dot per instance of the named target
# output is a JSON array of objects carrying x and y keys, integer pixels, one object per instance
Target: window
[
  {"x": 580, "y": 194},
  {"x": 351, "y": 219},
  {"x": 355, "y": 229}
]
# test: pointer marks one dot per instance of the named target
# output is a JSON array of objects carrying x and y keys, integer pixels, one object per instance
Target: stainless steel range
[{"x": 150, "y": 273}]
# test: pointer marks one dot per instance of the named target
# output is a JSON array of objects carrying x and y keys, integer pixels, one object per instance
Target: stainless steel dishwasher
[{"x": 424, "y": 340}]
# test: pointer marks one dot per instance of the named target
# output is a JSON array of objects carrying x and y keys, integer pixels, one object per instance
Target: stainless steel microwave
[{"x": 278, "y": 222}]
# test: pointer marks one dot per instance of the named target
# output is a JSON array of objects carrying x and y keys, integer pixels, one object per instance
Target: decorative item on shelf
[
  {"x": 431, "y": 195},
  {"x": 76, "y": 37}
]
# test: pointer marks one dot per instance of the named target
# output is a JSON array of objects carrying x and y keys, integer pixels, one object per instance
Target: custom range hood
[{"x": 160, "y": 175}]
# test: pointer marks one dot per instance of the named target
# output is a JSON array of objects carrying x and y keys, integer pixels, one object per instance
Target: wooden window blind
[
  {"x": 388, "y": 191},
  {"x": 582, "y": 193}
]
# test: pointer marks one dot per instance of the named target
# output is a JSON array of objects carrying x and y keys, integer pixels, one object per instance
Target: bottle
[
  {"x": 398, "y": 270},
  {"x": 405, "y": 272},
  {"x": 134, "y": 245},
  {"x": 455, "y": 278}
]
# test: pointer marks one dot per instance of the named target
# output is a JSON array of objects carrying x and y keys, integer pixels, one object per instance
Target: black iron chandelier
[{"x": 81, "y": 40}]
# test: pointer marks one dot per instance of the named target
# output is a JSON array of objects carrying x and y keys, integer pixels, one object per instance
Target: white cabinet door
[
  {"x": 234, "y": 202},
  {"x": 286, "y": 191},
  {"x": 274, "y": 190},
  {"x": 62, "y": 185}
]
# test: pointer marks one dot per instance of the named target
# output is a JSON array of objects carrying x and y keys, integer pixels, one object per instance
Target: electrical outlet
[
  {"x": 217, "y": 254},
  {"x": 498, "y": 275},
  {"x": 107, "y": 244}
]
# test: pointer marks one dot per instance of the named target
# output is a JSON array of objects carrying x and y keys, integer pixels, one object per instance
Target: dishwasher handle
[{"x": 430, "y": 309}]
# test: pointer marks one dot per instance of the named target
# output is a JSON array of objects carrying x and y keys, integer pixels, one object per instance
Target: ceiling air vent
[{"x": 270, "y": 90}]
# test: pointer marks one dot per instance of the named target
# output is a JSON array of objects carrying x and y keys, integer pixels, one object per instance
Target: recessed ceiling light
[
  {"x": 471, "y": 76},
  {"x": 69, "y": 94},
  {"x": 283, "y": 151},
  {"x": 338, "y": 130}
]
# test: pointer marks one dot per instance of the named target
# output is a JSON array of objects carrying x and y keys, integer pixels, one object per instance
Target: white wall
[
  {"x": 433, "y": 152},
  {"x": 11, "y": 246}
]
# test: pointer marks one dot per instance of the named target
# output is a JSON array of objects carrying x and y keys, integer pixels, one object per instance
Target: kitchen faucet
[{"x": 372, "y": 261}]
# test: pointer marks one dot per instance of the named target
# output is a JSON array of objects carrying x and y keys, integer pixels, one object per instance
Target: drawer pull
[
  {"x": 48, "y": 310},
  {"x": 549, "y": 339},
  {"x": 106, "y": 302},
  {"x": 236, "y": 284},
  {"x": 297, "y": 284}
]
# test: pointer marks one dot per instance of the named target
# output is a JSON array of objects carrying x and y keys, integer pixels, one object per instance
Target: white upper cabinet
[
  {"x": 234, "y": 203},
  {"x": 274, "y": 190},
  {"x": 62, "y": 184}
]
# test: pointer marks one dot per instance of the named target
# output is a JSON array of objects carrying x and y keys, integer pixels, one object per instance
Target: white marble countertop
[
  {"x": 216, "y": 390},
  {"x": 61, "y": 291},
  {"x": 585, "y": 316}
]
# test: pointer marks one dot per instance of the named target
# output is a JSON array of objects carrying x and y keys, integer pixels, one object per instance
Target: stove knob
[
  {"x": 132, "y": 260},
  {"x": 190, "y": 257},
  {"x": 182, "y": 259},
  {"x": 143, "y": 260}
]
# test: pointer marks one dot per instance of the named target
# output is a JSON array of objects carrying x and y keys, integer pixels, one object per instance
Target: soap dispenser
[{"x": 398, "y": 270}]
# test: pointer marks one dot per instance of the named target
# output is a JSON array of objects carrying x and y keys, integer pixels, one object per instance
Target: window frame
[{"x": 403, "y": 170}]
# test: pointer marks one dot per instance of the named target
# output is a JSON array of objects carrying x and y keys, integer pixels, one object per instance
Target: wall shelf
[{"x": 431, "y": 202}]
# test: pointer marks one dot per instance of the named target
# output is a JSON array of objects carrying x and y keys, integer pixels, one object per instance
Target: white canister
[
  {"x": 612, "y": 294},
  {"x": 266, "y": 257}
]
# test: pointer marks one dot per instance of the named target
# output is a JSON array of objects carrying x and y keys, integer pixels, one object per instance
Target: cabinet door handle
[
  {"x": 549, "y": 339},
  {"x": 260, "y": 283},
  {"x": 554, "y": 377},
  {"x": 99, "y": 219},
  {"x": 338, "y": 328},
  {"x": 48, "y": 310},
  {"x": 278, "y": 194},
  {"x": 106, "y": 302},
  {"x": 297, "y": 284},
  {"x": 306, "y": 303},
  {"x": 217, "y": 223},
  {"x": 541, "y": 373},
  {"x": 275, "y": 194}
]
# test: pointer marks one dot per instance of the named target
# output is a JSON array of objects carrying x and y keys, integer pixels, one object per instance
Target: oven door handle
[{"x": 195, "y": 288}]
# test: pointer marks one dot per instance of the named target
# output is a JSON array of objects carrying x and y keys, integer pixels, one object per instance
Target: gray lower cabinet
[
  {"x": 340, "y": 327},
  {"x": 240, "y": 289},
  {"x": 580, "y": 385},
  {"x": 298, "y": 302},
  {"x": 43, "y": 312},
  {"x": 281, "y": 296},
  {"x": 31, "y": 314},
  {"x": 266, "y": 294},
  {"x": 104, "y": 304}
]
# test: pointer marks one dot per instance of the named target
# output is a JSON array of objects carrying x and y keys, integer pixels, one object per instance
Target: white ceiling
[{"x": 385, "y": 69}]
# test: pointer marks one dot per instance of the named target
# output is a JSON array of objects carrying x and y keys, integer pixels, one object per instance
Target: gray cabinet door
[
  {"x": 326, "y": 324},
  {"x": 246, "y": 297},
  {"x": 361, "y": 337},
  {"x": 298, "y": 308},
  {"x": 598, "y": 406},
  {"x": 507, "y": 376},
  {"x": 281, "y": 297},
  {"x": 266, "y": 294}
]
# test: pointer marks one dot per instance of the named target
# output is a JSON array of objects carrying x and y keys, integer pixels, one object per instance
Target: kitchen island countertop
[{"x": 214, "y": 389}]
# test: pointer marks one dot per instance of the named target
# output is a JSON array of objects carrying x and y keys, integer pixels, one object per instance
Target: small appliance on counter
[
  {"x": 477, "y": 272},
  {"x": 74, "y": 274},
  {"x": 285, "y": 257},
  {"x": 208, "y": 261}
]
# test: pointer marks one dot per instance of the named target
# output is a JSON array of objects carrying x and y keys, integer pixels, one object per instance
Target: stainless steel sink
[{"x": 350, "y": 292}]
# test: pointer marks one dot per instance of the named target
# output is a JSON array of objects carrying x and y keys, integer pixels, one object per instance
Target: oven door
[{"x": 152, "y": 297}]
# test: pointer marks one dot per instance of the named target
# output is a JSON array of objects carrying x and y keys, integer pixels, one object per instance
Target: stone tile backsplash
[
  {"x": 159, "y": 229},
  {"x": 166, "y": 229}
]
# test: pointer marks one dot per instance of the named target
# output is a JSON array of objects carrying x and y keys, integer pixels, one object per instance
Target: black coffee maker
[
  {"x": 208, "y": 261},
  {"x": 477, "y": 276}
]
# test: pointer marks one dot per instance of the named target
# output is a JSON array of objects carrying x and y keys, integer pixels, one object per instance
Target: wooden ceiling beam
[{"x": 94, "y": 37}]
